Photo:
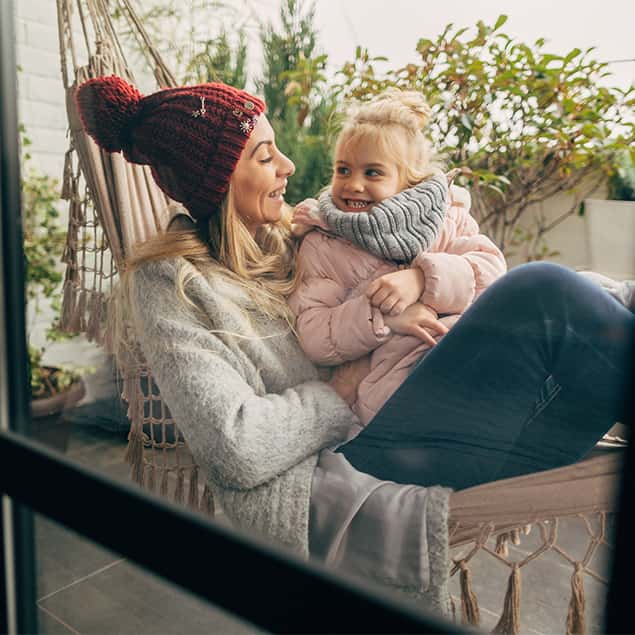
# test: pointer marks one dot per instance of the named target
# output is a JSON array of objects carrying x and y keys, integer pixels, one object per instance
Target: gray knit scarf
[{"x": 398, "y": 228}]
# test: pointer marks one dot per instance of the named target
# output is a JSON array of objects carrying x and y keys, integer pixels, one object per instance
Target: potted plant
[
  {"x": 53, "y": 388},
  {"x": 610, "y": 224},
  {"x": 527, "y": 123}
]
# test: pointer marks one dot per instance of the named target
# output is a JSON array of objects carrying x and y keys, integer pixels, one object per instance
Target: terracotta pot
[
  {"x": 47, "y": 406},
  {"x": 49, "y": 425}
]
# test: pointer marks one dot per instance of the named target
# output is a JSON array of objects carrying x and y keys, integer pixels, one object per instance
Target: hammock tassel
[
  {"x": 136, "y": 438},
  {"x": 509, "y": 622},
  {"x": 67, "y": 178},
  {"x": 78, "y": 323},
  {"x": 453, "y": 609},
  {"x": 575, "y": 617},
  {"x": 163, "y": 491},
  {"x": 501, "y": 545},
  {"x": 150, "y": 482},
  {"x": 94, "y": 316},
  {"x": 515, "y": 536},
  {"x": 470, "y": 613},
  {"x": 68, "y": 305},
  {"x": 134, "y": 454},
  {"x": 192, "y": 498},
  {"x": 207, "y": 501},
  {"x": 180, "y": 486}
]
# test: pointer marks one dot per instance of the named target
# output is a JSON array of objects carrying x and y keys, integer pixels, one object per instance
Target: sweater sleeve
[
  {"x": 244, "y": 439},
  {"x": 465, "y": 264},
  {"x": 331, "y": 327}
]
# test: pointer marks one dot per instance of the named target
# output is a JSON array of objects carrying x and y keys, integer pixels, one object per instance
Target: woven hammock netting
[{"x": 113, "y": 205}]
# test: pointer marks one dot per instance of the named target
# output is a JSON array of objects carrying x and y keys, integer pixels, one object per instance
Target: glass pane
[
  {"x": 84, "y": 588},
  {"x": 528, "y": 189}
]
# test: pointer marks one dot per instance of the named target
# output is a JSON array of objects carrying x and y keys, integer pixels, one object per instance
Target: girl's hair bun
[
  {"x": 406, "y": 108},
  {"x": 412, "y": 101},
  {"x": 107, "y": 107}
]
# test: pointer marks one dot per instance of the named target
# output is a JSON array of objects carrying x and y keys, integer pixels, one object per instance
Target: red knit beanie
[{"x": 191, "y": 136}]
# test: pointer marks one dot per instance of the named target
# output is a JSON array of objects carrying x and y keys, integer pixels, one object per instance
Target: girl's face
[
  {"x": 363, "y": 176},
  {"x": 260, "y": 178}
]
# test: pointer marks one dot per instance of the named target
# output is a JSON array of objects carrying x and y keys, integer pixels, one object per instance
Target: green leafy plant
[
  {"x": 44, "y": 241},
  {"x": 299, "y": 100},
  {"x": 622, "y": 180},
  {"x": 525, "y": 123},
  {"x": 218, "y": 61}
]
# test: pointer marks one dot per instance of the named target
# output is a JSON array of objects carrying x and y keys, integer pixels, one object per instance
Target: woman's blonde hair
[
  {"x": 263, "y": 264},
  {"x": 394, "y": 122}
]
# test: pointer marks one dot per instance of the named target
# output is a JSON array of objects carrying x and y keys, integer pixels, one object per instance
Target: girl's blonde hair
[
  {"x": 264, "y": 265},
  {"x": 394, "y": 122}
]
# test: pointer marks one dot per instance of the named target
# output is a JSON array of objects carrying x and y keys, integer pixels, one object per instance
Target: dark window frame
[{"x": 280, "y": 593}]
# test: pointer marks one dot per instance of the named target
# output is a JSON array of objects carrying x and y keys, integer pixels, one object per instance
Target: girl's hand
[
  {"x": 347, "y": 377},
  {"x": 396, "y": 291},
  {"x": 419, "y": 320}
]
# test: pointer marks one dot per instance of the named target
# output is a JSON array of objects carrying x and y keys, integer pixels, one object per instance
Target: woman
[{"x": 538, "y": 350}]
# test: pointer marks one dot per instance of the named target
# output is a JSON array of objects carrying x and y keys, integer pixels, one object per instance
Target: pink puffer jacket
[{"x": 336, "y": 322}]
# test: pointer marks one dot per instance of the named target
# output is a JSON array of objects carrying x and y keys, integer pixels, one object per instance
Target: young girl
[{"x": 399, "y": 257}]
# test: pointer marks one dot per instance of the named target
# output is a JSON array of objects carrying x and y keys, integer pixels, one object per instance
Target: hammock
[{"x": 113, "y": 205}]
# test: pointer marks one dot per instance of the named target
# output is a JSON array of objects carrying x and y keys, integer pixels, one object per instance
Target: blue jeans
[{"x": 530, "y": 378}]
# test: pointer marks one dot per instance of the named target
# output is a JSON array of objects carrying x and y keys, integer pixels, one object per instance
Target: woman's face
[
  {"x": 259, "y": 180},
  {"x": 363, "y": 176}
]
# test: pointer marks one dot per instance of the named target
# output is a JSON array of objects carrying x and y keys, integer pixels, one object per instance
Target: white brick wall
[{"x": 41, "y": 105}]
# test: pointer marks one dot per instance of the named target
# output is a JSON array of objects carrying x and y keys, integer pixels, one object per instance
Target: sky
[{"x": 393, "y": 27}]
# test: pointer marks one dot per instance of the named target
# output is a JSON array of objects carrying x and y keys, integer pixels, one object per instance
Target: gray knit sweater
[{"x": 251, "y": 409}]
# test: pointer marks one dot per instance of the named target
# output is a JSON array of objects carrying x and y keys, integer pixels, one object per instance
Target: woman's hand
[
  {"x": 396, "y": 291},
  {"x": 418, "y": 320},
  {"x": 347, "y": 377}
]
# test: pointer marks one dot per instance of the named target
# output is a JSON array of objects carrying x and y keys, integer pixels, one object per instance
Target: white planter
[{"x": 610, "y": 233}]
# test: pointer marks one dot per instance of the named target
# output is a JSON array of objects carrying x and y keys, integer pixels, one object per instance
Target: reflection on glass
[{"x": 510, "y": 149}]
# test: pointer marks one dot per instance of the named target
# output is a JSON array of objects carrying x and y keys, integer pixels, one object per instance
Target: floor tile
[
  {"x": 124, "y": 599},
  {"x": 49, "y": 624},
  {"x": 63, "y": 557}
]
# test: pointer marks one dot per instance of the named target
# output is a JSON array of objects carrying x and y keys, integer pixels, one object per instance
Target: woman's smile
[
  {"x": 279, "y": 193},
  {"x": 260, "y": 178}
]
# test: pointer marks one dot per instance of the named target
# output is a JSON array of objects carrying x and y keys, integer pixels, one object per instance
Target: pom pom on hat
[
  {"x": 190, "y": 136},
  {"x": 107, "y": 106}
]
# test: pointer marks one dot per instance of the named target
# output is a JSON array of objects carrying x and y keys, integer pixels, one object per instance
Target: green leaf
[{"x": 499, "y": 23}]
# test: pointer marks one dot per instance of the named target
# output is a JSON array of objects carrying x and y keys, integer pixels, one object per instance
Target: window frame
[{"x": 281, "y": 593}]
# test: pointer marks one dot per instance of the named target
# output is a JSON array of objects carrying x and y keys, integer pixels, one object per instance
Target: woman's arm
[{"x": 244, "y": 439}]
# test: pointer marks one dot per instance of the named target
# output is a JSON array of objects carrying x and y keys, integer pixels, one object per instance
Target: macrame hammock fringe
[{"x": 113, "y": 205}]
